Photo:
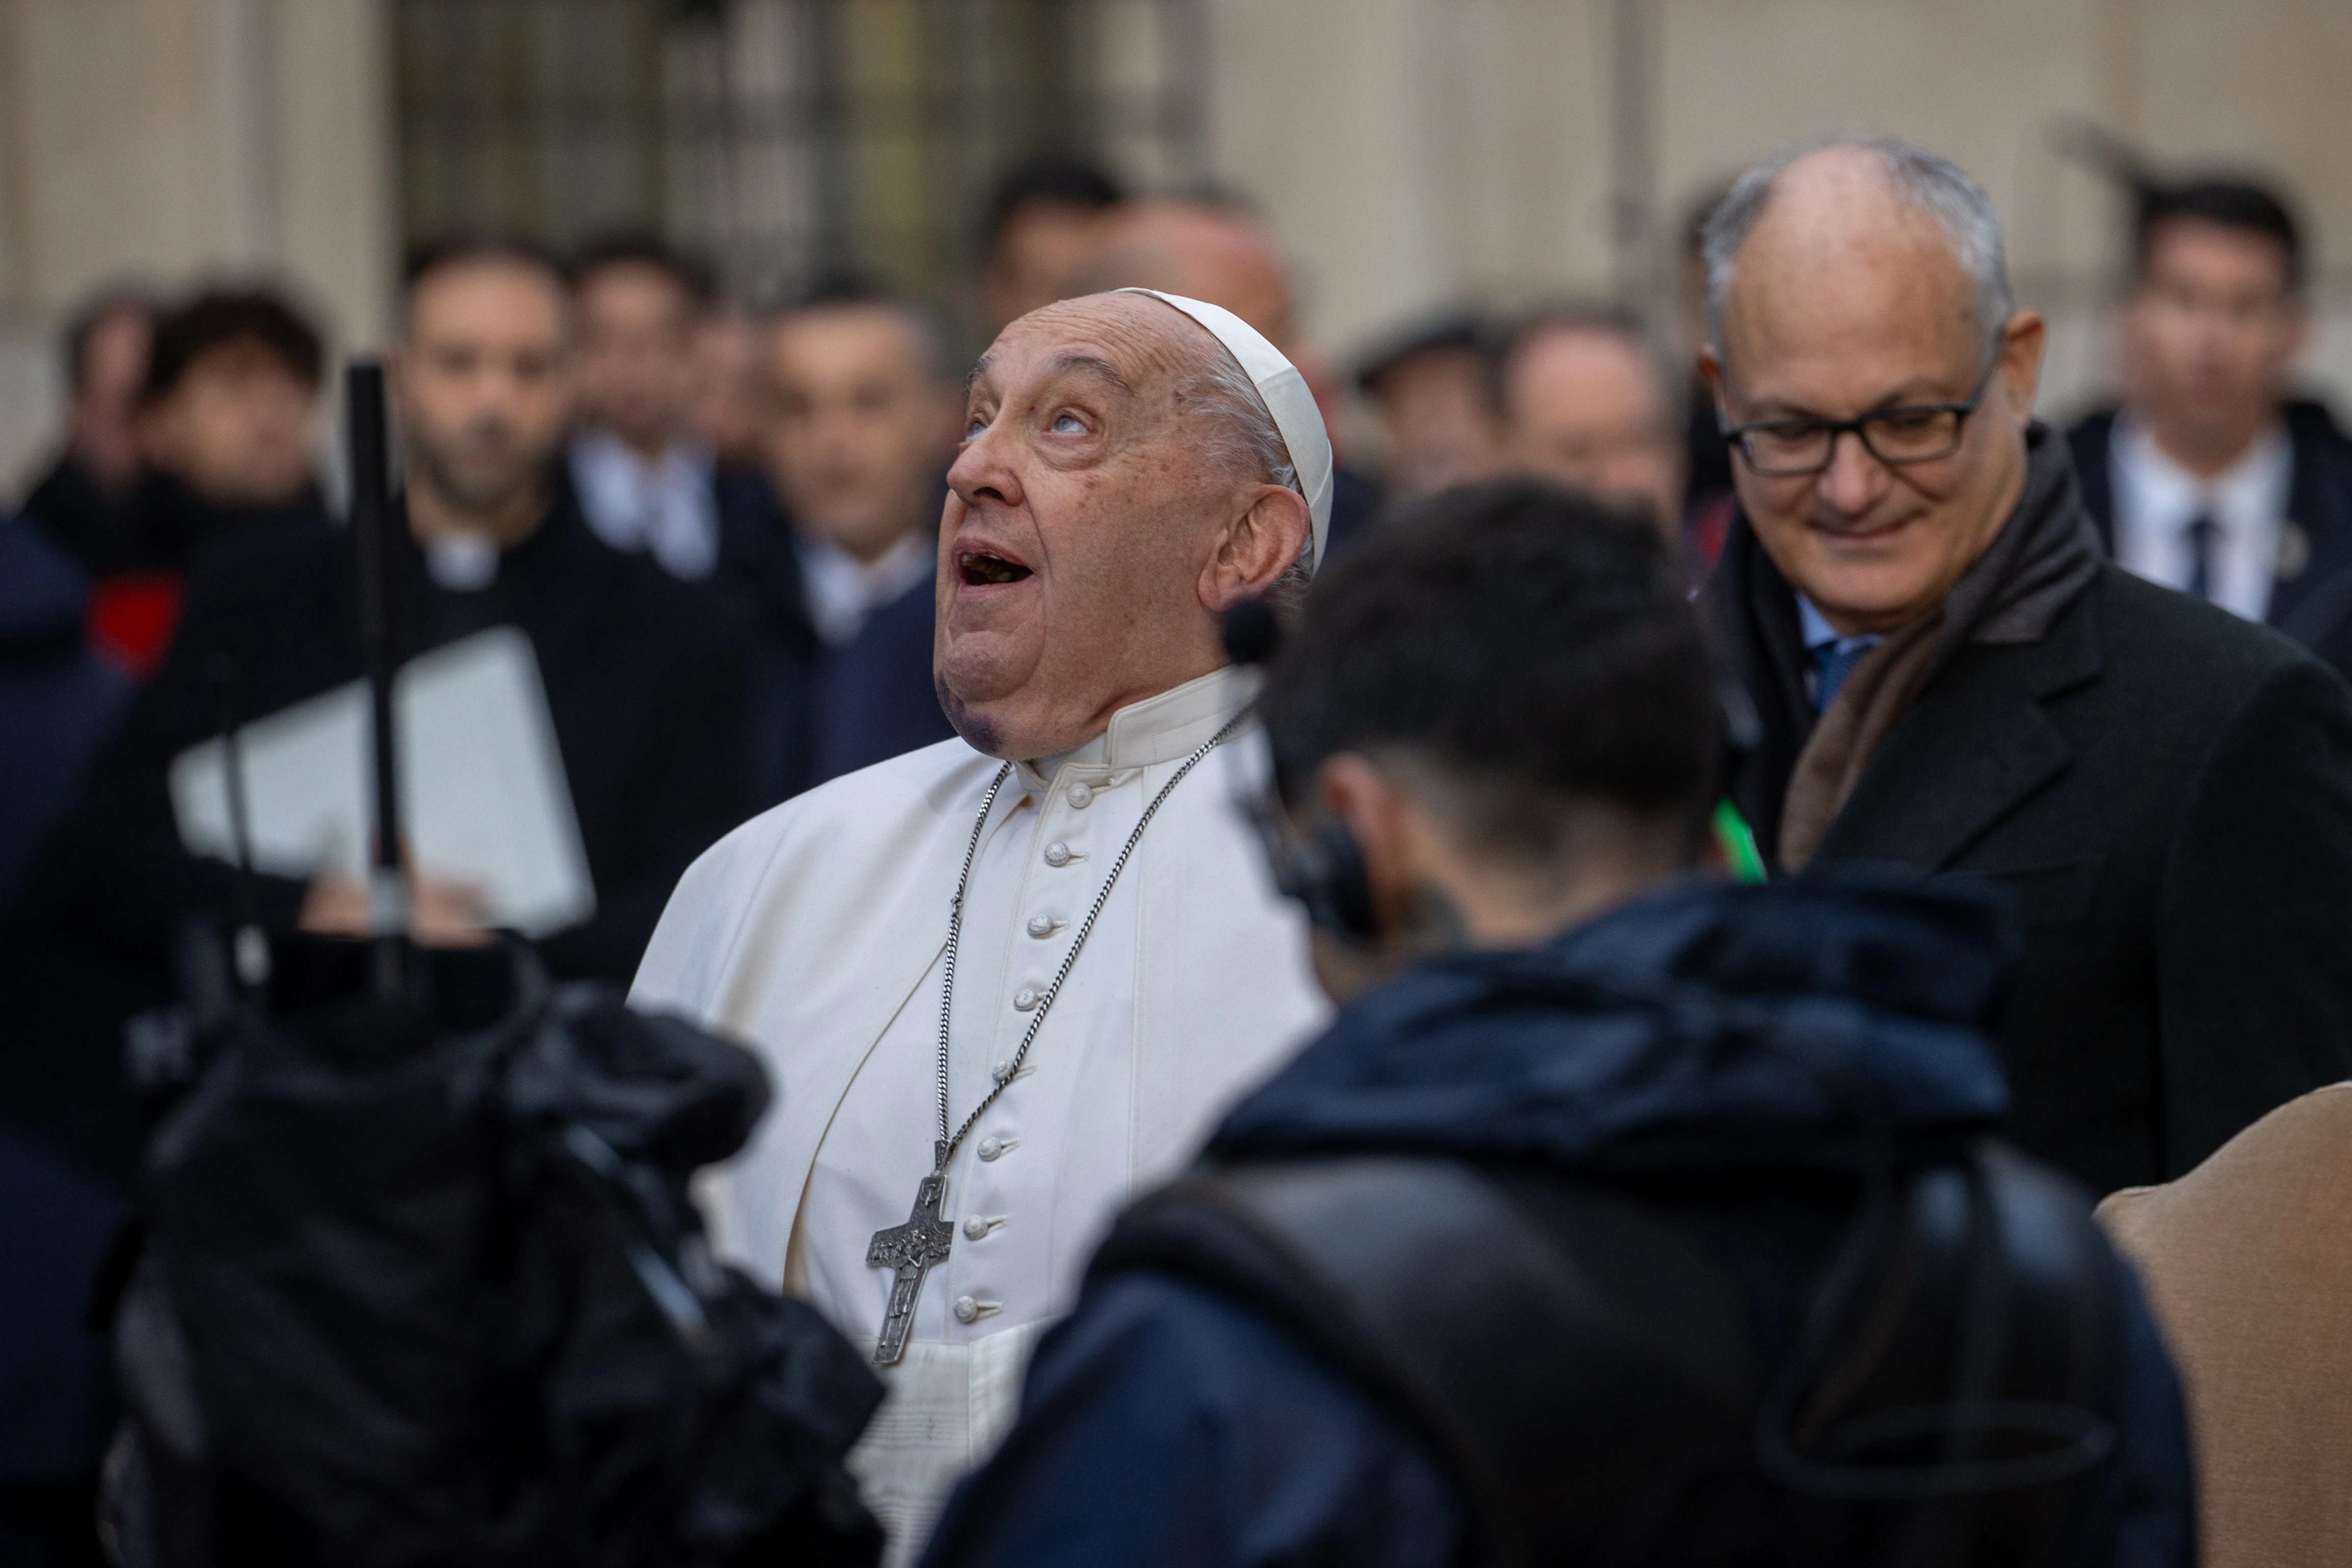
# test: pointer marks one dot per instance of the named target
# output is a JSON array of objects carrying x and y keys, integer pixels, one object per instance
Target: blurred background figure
[
  {"x": 1043, "y": 231},
  {"x": 646, "y": 679},
  {"x": 643, "y": 469},
  {"x": 56, "y": 699},
  {"x": 78, "y": 502},
  {"x": 1707, "y": 498},
  {"x": 1587, "y": 403},
  {"x": 1430, "y": 390},
  {"x": 57, "y": 696},
  {"x": 1209, "y": 245},
  {"x": 2211, "y": 478},
  {"x": 856, "y": 413},
  {"x": 724, "y": 346},
  {"x": 227, "y": 419}
]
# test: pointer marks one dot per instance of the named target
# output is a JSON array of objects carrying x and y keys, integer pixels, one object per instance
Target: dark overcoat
[{"x": 2165, "y": 792}]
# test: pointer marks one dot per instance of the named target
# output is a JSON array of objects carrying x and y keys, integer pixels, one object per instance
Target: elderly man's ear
[
  {"x": 2022, "y": 342},
  {"x": 1256, "y": 548}
]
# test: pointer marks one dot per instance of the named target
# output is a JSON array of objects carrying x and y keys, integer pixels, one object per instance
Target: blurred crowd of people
[{"x": 718, "y": 527}]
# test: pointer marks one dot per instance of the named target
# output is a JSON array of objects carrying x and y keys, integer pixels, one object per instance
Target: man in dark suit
[
  {"x": 2210, "y": 479},
  {"x": 1947, "y": 675},
  {"x": 856, "y": 417}
]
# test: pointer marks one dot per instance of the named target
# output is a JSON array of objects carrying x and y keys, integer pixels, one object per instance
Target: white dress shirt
[
  {"x": 816, "y": 932},
  {"x": 667, "y": 506},
  {"x": 2157, "y": 499},
  {"x": 841, "y": 591}
]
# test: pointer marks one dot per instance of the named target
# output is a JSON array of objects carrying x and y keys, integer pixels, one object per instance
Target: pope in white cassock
[{"x": 1006, "y": 983}]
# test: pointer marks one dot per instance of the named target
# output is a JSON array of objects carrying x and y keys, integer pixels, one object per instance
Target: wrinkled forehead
[{"x": 1132, "y": 346}]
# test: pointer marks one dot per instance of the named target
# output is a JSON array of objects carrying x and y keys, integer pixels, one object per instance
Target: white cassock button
[
  {"x": 1024, "y": 998},
  {"x": 967, "y": 1310},
  {"x": 989, "y": 1148},
  {"x": 1041, "y": 926},
  {"x": 978, "y": 1226},
  {"x": 1081, "y": 796},
  {"x": 1057, "y": 853}
]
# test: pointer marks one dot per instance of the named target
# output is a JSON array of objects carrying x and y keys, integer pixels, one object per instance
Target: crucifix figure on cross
[{"x": 911, "y": 1248}]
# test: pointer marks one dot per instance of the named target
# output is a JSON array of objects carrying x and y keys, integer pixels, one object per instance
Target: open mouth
[{"x": 980, "y": 568}]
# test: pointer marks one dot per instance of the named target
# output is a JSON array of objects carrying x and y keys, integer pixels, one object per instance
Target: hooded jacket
[{"x": 1165, "y": 1423}]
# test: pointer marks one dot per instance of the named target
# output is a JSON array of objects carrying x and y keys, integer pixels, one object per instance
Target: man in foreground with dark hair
[
  {"x": 2211, "y": 478},
  {"x": 1559, "y": 1244}
]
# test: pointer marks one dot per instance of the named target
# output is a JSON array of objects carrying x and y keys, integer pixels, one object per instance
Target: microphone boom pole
[{"x": 388, "y": 889}]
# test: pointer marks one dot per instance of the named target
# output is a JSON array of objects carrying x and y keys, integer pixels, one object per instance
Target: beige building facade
[
  {"x": 1411, "y": 152},
  {"x": 158, "y": 142}
]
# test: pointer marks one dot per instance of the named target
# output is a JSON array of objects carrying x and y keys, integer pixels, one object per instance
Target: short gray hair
[
  {"x": 1933, "y": 186},
  {"x": 1240, "y": 433}
]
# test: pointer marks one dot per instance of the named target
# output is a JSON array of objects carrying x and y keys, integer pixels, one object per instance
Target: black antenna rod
[{"x": 388, "y": 891}]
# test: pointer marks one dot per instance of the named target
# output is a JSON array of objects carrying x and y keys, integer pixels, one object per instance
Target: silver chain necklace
[{"x": 925, "y": 1239}]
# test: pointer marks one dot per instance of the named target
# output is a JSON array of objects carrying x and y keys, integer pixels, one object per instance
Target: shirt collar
[
  {"x": 1162, "y": 729},
  {"x": 2251, "y": 492},
  {"x": 1818, "y": 634},
  {"x": 843, "y": 591},
  {"x": 615, "y": 460}
]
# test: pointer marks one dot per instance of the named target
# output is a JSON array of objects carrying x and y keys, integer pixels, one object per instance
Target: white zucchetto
[{"x": 1286, "y": 398}]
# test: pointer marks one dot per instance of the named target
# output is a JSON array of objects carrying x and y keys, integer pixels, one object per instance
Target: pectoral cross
[{"x": 911, "y": 1248}]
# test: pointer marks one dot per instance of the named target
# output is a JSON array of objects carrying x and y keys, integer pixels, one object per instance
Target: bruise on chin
[{"x": 977, "y": 731}]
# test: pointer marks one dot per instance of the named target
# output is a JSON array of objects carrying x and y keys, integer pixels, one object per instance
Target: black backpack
[
  {"x": 421, "y": 1284},
  {"x": 1590, "y": 1371}
]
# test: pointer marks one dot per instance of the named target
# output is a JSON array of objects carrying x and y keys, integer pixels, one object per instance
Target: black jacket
[
  {"x": 1167, "y": 1422},
  {"x": 2313, "y": 603},
  {"x": 646, "y": 681},
  {"x": 80, "y": 518},
  {"x": 821, "y": 711},
  {"x": 2166, "y": 793}
]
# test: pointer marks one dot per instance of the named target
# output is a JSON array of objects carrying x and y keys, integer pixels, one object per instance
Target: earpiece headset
[{"x": 1325, "y": 873}]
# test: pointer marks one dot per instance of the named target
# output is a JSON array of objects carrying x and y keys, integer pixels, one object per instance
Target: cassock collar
[{"x": 1165, "y": 729}]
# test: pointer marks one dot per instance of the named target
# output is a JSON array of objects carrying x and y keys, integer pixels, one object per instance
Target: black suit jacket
[
  {"x": 2166, "y": 794},
  {"x": 818, "y": 710},
  {"x": 2312, "y": 603}
]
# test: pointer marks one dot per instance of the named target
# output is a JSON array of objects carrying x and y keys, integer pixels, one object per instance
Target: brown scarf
[{"x": 2042, "y": 560}]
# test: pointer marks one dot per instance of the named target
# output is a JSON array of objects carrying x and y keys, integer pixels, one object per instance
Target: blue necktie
[
  {"x": 2203, "y": 535},
  {"x": 1834, "y": 662}
]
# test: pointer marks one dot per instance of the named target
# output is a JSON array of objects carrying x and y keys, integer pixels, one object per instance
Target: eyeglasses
[{"x": 1916, "y": 432}]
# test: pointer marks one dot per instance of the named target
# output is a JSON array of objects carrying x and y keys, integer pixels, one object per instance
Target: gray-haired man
[{"x": 1952, "y": 678}]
